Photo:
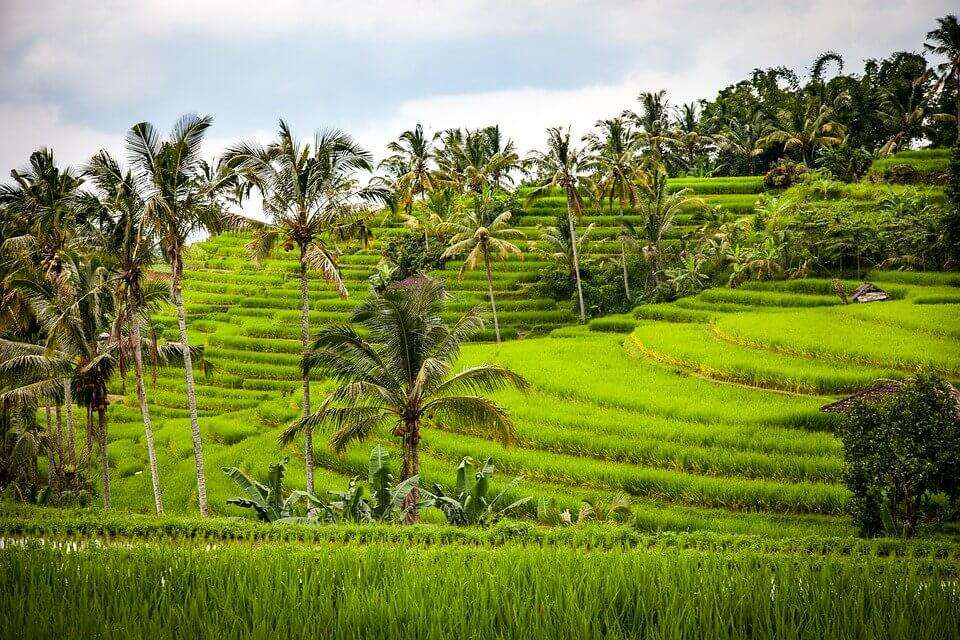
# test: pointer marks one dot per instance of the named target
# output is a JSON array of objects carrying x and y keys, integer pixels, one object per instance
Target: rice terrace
[{"x": 681, "y": 370}]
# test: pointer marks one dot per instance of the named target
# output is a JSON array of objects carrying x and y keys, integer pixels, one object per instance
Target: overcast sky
[{"x": 75, "y": 75}]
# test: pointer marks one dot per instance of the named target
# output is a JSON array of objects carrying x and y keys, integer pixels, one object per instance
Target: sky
[{"x": 76, "y": 75}]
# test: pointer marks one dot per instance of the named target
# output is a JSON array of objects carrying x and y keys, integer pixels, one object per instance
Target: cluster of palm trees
[{"x": 79, "y": 278}]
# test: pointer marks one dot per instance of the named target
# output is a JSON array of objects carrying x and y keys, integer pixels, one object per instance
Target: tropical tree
[
  {"x": 945, "y": 41},
  {"x": 399, "y": 376},
  {"x": 555, "y": 243},
  {"x": 904, "y": 113},
  {"x": 741, "y": 139},
  {"x": 689, "y": 143},
  {"x": 473, "y": 159},
  {"x": 410, "y": 166},
  {"x": 564, "y": 167},
  {"x": 179, "y": 201},
  {"x": 658, "y": 208},
  {"x": 482, "y": 235},
  {"x": 129, "y": 250},
  {"x": 653, "y": 124},
  {"x": 617, "y": 172},
  {"x": 803, "y": 129},
  {"x": 311, "y": 195}
]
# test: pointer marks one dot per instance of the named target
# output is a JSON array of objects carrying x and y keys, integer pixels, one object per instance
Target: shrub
[
  {"x": 846, "y": 162},
  {"x": 903, "y": 457},
  {"x": 784, "y": 175}
]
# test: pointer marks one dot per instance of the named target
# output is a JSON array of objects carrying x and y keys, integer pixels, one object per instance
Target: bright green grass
[
  {"x": 452, "y": 591},
  {"x": 864, "y": 334},
  {"x": 697, "y": 348}
]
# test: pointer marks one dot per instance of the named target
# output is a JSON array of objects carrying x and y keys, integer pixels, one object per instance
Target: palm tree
[
  {"x": 45, "y": 199},
  {"x": 617, "y": 170},
  {"x": 803, "y": 129},
  {"x": 690, "y": 143},
  {"x": 484, "y": 233},
  {"x": 310, "y": 194},
  {"x": 658, "y": 208},
  {"x": 130, "y": 250},
  {"x": 945, "y": 41},
  {"x": 411, "y": 166},
  {"x": 564, "y": 167},
  {"x": 904, "y": 113},
  {"x": 179, "y": 201},
  {"x": 469, "y": 161},
  {"x": 653, "y": 123},
  {"x": 741, "y": 138},
  {"x": 400, "y": 375},
  {"x": 430, "y": 218},
  {"x": 555, "y": 243}
]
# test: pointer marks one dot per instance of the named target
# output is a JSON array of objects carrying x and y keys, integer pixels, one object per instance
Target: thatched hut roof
[
  {"x": 869, "y": 292},
  {"x": 875, "y": 392}
]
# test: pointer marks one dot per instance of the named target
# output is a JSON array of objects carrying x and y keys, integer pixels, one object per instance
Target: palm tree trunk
[
  {"x": 71, "y": 434},
  {"x": 88, "y": 435},
  {"x": 59, "y": 422},
  {"x": 104, "y": 458},
  {"x": 305, "y": 347},
  {"x": 411, "y": 467},
  {"x": 576, "y": 261},
  {"x": 177, "y": 294},
  {"x": 493, "y": 303},
  {"x": 623, "y": 258},
  {"x": 145, "y": 412},
  {"x": 54, "y": 447},
  {"x": 426, "y": 240}
]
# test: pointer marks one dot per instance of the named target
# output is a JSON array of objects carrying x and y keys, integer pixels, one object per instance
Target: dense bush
[
  {"x": 903, "y": 457},
  {"x": 408, "y": 254},
  {"x": 845, "y": 162},
  {"x": 784, "y": 175}
]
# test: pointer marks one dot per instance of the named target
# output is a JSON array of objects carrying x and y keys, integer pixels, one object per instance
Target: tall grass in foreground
[{"x": 388, "y": 591}]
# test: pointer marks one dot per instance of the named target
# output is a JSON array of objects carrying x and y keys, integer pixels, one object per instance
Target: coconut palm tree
[
  {"x": 904, "y": 113},
  {"x": 741, "y": 138},
  {"x": 399, "y": 376},
  {"x": 689, "y": 142},
  {"x": 652, "y": 123},
  {"x": 658, "y": 208},
  {"x": 555, "y": 243},
  {"x": 563, "y": 166},
  {"x": 45, "y": 199},
  {"x": 310, "y": 193},
  {"x": 945, "y": 41},
  {"x": 483, "y": 234},
  {"x": 179, "y": 201},
  {"x": 614, "y": 150},
  {"x": 803, "y": 129},
  {"x": 411, "y": 166},
  {"x": 474, "y": 159},
  {"x": 130, "y": 250}
]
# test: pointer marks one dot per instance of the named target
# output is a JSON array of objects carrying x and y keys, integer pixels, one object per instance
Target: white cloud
[{"x": 28, "y": 127}]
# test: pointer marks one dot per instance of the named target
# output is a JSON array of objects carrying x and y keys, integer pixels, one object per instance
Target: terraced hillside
[{"x": 705, "y": 411}]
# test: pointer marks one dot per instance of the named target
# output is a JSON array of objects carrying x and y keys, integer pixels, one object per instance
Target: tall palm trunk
[
  {"x": 177, "y": 294},
  {"x": 145, "y": 412},
  {"x": 576, "y": 261},
  {"x": 104, "y": 458},
  {"x": 493, "y": 303},
  {"x": 71, "y": 434},
  {"x": 88, "y": 435},
  {"x": 411, "y": 467},
  {"x": 305, "y": 346},
  {"x": 623, "y": 257}
]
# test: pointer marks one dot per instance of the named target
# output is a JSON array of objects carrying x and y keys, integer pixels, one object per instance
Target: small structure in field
[
  {"x": 874, "y": 393},
  {"x": 869, "y": 292}
]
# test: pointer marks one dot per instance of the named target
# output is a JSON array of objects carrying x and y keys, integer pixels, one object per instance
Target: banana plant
[
  {"x": 267, "y": 500},
  {"x": 472, "y": 502},
  {"x": 387, "y": 501}
]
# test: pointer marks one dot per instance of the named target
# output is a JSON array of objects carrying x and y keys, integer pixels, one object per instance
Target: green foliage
[
  {"x": 951, "y": 223},
  {"x": 473, "y": 501},
  {"x": 903, "y": 457},
  {"x": 407, "y": 253},
  {"x": 267, "y": 500},
  {"x": 784, "y": 175}
]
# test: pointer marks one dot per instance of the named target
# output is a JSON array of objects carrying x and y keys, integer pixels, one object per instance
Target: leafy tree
[
  {"x": 563, "y": 166},
  {"x": 952, "y": 220},
  {"x": 483, "y": 234},
  {"x": 803, "y": 129},
  {"x": 903, "y": 458},
  {"x": 309, "y": 193},
  {"x": 399, "y": 375},
  {"x": 658, "y": 208},
  {"x": 945, "y": 41},
  {"x": 474, "y": 159}
]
